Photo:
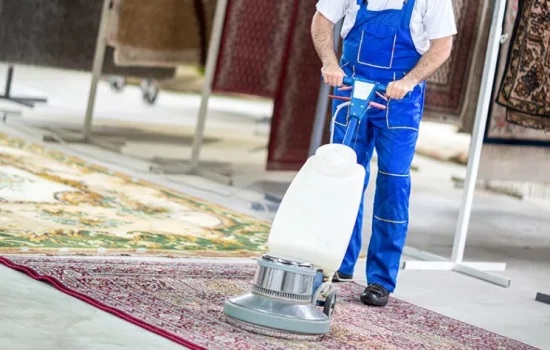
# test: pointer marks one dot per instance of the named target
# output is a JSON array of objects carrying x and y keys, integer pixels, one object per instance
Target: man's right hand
[{"x": 333, "y": 75}]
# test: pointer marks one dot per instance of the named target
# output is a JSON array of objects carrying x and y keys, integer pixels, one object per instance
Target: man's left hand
[{"x": 399, "y": 88}]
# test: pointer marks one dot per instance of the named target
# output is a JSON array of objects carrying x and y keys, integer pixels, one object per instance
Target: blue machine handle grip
[
  {"x": 348, "y": 81},
  {"x": 381, "y": 87},
  {"x": 378, "y": 87}
]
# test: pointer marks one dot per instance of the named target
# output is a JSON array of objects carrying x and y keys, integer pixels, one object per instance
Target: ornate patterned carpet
[
  {"x": 522, "y": 80},
  {"x": 526, "y": 85},
  {"x": 51, "y": 201},
  {"x": 183, "y": 302}
]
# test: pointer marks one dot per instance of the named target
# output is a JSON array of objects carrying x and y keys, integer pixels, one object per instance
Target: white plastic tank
[{"x": 316, "y": 217}]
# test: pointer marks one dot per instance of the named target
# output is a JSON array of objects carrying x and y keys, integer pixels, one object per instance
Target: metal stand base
[
  {"x": 435, "y": 262},
  {"x": 112, "y": 144},
  {"x": 25, "y": 101},
  {"x": 543, "y": 298},
  {"x": 221, "y": 175}
]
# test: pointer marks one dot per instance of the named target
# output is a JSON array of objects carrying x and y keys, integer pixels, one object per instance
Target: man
[{"x": 402, "y": 43}]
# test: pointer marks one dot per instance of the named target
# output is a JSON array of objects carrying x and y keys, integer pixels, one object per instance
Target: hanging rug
[{"x": 525, "y": 88}]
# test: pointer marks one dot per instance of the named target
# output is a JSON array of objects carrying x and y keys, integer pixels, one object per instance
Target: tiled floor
[{"x": 35, "y": 316}]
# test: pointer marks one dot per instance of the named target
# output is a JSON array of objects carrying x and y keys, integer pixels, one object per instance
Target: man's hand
[
  {"x": 399, "y": 88},
  {"x": 333, "y": 75}
]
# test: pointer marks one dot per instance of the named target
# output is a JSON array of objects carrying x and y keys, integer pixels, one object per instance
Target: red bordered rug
[{"x": 183, "y": 302}]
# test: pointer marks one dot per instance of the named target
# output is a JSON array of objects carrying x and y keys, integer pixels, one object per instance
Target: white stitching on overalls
[
  {"x": 390, "y": 221},
  {"x": 374, "y": 65},
  {"x": 389, "y": 174}
]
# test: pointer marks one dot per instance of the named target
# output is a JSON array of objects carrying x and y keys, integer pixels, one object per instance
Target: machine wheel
[
  {"x": 330, "y": 304},
  {"x": 117, "y": 83},
  {"x": 149, "y": 91}
]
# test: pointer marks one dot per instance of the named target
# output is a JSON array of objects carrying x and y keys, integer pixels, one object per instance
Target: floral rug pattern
[
  {"x": 184, "y": 302},
  {"x": 501, "y": 125},
  {"x": 526, "y": 84},
  {"x": 51, "y": 201}
]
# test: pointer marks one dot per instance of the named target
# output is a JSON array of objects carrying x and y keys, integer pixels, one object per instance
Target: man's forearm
[
  {"x": 322, "y": 32},
  {"x": 430, "y": 62},
  {"x": 438, "y": 53}
]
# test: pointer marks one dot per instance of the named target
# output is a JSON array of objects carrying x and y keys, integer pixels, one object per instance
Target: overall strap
[{"x": 408, "y": 8}]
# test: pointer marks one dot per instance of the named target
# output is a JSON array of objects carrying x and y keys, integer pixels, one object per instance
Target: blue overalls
[{"x": 380, "y": 47}]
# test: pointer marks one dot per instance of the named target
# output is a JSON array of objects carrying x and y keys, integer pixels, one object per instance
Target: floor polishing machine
[{"x": 292, "y": 295}]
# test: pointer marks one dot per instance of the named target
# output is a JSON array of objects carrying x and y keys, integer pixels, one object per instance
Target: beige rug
[{"x": 52, "y": 203}]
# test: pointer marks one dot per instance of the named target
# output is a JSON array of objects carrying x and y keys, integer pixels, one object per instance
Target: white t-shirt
[{"x": 431, "y": 19}]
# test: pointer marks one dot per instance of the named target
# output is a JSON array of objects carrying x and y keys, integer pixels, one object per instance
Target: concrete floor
[{"x": 503, "y": 229}]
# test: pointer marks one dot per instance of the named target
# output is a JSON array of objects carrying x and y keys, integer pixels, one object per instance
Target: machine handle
[
  {"x": 381, "y": 87},
  {"x": 348, "y": 81}
]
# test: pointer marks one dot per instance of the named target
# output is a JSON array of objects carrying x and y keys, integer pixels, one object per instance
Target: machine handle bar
[{"x": 379, "y": 87}]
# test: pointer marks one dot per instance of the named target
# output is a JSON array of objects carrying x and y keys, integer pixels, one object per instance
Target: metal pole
[
  {"x": 323, "y": 102},
  {"x": 474, "y": 157},
  {"x": 211, "y": 62},
  {"x": 97, "y": 67}
]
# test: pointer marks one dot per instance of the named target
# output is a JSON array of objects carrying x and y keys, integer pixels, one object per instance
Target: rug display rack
[
  {"x": 149, "y": 89},
  {"x": 25, "y": 101},
  {"x": 116, "y": 37},
  {"x": 110, "y": 144},
  {"x": 54, "y": 34}
]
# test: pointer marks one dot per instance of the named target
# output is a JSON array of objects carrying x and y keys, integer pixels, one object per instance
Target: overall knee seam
[
  {"x": 390, "y": 221},
  {"x": 390, "y": 174}
]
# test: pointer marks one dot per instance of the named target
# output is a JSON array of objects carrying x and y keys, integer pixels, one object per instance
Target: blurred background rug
[
  {"x": 447, "y": 88},
  {"x": 51, "y": 201},
  {"x": 525, "y": 88},
  {"x": 508, "y": 120},
  {"x": 184, "y": 301}
]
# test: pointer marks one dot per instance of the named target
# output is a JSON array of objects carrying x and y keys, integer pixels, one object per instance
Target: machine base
[
  {"x": 277, "y": 318},
  {"x": 271, "y": 332}
]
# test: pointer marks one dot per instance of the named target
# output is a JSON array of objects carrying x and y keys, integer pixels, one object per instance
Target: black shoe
[
  {"x": 342, "y": 277},
  {"x": 375, "y": 295}
]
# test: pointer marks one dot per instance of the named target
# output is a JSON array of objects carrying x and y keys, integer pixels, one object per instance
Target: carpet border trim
[{"x": 59, "y": 286}]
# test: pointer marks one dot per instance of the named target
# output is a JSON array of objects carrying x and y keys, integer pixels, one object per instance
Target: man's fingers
[
  {"x": 395, "y": 91},
  {"x": 389, "y": 90},
  {"x": 336, "y": 80},
  {"x": 340, "y": 80}
]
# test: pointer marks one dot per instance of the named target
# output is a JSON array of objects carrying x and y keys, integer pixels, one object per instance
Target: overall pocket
[
  {"x": 377, "y": 45},
  {"x": 407, "y": 112}
]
